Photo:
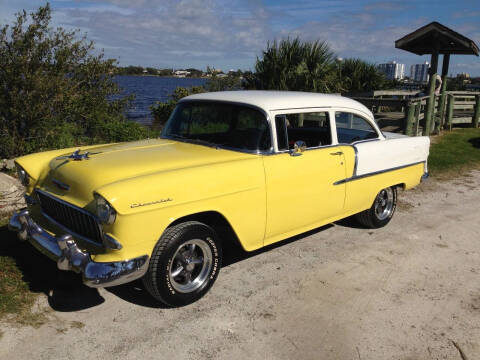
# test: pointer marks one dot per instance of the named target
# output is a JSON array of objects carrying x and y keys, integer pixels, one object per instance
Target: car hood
[{"x": 76, "y": 180}]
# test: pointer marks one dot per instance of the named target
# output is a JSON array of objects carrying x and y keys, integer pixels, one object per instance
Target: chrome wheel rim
[
  {"x": 384, "y": 204},
  {"x": 191, "y": 265}
]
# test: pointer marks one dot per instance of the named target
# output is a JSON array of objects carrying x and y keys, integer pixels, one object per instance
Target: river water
[{"x": 148, "y": 90}]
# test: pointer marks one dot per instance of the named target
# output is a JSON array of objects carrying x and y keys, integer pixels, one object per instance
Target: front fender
[{"x": 147, "y": 205}]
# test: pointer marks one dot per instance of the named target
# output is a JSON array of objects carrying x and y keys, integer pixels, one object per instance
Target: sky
[{"x": 231, "y": 34}]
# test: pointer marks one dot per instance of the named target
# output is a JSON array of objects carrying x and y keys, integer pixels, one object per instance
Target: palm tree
[
  {"x": 359, "y": 76},
  {"x": 296, "y": 65}
]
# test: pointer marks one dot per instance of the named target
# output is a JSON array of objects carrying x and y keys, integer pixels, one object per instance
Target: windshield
[{"x": 219, "y": 124}]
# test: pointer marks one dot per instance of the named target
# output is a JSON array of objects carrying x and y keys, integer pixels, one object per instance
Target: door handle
[{"x": 337, "y": 153}]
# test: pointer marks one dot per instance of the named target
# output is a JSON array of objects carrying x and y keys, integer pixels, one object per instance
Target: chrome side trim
[
  {"x": 358, "y": 177},
  {"x": 65, "y": 251}
]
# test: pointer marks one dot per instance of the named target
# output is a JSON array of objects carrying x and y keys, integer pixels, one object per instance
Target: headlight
[
  {"x": 22, "y": 175},
  {"x": 105, "y": 212}
]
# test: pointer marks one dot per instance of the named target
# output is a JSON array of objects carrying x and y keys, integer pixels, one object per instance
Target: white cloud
[
  {"x": 203, "y": 31},
  {"x": 230, "y": 33}
]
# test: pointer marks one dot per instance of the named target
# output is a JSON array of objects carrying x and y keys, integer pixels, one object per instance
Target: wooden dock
[{"x": 403, "y": 112}]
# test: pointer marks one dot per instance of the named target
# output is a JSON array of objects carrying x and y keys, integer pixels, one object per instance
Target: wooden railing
[{"x": 450, "y": 109}]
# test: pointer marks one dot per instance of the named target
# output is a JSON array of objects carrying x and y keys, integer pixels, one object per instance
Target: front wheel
[
  {"x": 184, "y": 264},
  {"x": 381, "y": 211}
]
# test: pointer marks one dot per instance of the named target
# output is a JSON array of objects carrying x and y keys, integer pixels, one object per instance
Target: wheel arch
[
  {"x": 402, "y": 186},
  {"x": 216, "y": 221}
]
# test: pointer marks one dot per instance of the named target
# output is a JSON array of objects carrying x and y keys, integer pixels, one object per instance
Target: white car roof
[{"x": 280, "y": 100}]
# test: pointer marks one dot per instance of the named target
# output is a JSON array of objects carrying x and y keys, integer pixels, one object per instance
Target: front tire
[
  {"x": 382, "y": 210},
  {"x": 184, "y": 264}
]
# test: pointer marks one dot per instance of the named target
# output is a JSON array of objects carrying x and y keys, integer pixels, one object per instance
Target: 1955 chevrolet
[{"x": 254, "y": 167}]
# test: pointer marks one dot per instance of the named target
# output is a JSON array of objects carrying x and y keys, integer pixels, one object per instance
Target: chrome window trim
[
  {"x": 358, "y": 177},
  {"x": 301, "y": 108},
  {"x": 364, "y": 116},
  {"x": 254, "y": 152},
  {"x": 63, "y": 227},
  {"x": 323, "y": 109},
  {"x": 355, "y": 166}
]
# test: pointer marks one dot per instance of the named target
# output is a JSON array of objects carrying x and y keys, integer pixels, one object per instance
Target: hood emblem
[
  {"x": 61, "y": 185},
  {"x": 77, "y": 156},
  {"x": 135, "y": 205}
]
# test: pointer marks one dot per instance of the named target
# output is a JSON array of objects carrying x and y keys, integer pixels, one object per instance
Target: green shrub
[{"x": 57, "y": 91}]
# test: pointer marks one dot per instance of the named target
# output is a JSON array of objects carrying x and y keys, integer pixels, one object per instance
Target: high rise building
[
  {"x": 392, "y": 70},
  {"x": 419, "y": 72}
]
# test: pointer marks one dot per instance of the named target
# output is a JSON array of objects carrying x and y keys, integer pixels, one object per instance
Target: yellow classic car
[{"x": 253, "y": 167}]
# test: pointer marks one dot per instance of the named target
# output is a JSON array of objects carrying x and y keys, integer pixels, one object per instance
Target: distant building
[
  {"x": 393, "y": 70},
  {"x": 181, "y": 73},
  {"x": 463, "y": 76},
  {"x": 419, "y": 72}
]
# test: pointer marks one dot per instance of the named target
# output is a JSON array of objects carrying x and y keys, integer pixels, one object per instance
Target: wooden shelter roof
[{"x": 424, "y": 40}]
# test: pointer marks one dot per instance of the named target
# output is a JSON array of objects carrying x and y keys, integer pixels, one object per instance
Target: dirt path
[{"x": 407, "y": 291}]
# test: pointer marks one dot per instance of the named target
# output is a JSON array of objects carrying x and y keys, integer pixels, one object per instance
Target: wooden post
[
  {"x": 476, "y": 114},
  {"x": 410, "y": 118},
  {"x": 443, "y": 96},
  {"x": 418, "y": 109},
  {"x": 431, "y": 92},
  {"x": 451, "y": 103}
]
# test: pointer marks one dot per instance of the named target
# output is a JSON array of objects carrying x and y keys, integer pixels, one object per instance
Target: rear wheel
[
  {"x": 184, "y": 264},
  {"x": 381, "y": 211}
]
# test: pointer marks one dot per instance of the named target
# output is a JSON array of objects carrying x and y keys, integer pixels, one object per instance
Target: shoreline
[{"x": 167, "y": 77}]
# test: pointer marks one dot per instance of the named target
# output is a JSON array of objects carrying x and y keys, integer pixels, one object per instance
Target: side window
[
  {"x": 312, "y": 128},
  {"x": 351, "y": 128}
]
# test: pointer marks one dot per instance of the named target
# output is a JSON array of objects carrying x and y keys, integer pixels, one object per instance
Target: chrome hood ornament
[{"x": 77, "y": 156}]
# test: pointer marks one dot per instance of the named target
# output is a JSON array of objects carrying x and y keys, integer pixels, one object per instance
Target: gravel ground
[{"x": 408, "y": 291}]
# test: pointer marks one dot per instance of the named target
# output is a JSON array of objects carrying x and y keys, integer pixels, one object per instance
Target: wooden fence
[{"x": 408, "y": 113}]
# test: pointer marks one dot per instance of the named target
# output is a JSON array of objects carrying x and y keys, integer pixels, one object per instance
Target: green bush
[{"x": 56, "y": 90}]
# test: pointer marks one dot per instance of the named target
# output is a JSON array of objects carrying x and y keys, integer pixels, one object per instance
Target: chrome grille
[{"x": 75, "y": 219}]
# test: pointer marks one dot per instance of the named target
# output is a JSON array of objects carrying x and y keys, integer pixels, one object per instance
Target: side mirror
[{"x": 299, "y": 147}]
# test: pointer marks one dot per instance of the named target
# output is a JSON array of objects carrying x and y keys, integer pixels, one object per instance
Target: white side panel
[{"x": 386, "y": 154}]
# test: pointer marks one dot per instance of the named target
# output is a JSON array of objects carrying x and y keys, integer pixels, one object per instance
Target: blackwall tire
[{"x": 382, "y": 210}]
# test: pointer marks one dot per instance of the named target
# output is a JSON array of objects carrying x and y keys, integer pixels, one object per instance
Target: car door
[{"x": 300, "y": 185}]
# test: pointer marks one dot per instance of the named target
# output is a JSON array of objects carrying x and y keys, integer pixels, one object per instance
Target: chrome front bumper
[{"x": 68, "y": 255}]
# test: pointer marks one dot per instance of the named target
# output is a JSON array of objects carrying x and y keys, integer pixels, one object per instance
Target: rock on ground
[
  {"x": 410, "y": 290},
  {"x": 11, "y": 194}
]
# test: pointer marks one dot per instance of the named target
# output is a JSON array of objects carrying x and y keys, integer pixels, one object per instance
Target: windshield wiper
[
  {"x": 204, "y": 142},
  {"x": 177, "y": 136},
  {"x": 194, "y": 140}
]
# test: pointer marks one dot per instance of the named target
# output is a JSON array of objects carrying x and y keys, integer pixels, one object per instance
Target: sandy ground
[{"x": 408, "y": 291}]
